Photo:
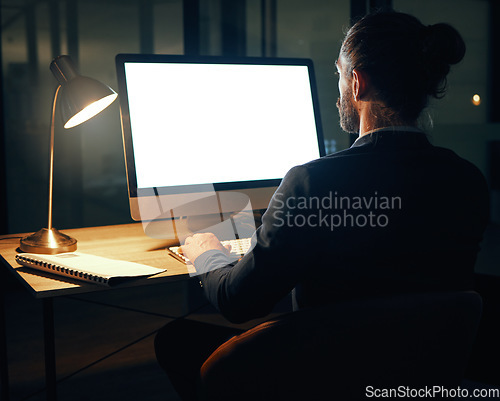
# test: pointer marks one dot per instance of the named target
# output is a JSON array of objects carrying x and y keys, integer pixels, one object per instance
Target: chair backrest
[{"x": 349, "y": 350}]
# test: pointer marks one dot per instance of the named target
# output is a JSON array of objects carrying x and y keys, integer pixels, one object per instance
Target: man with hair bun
[
  {"x": 389, "y": 66},
  {"x": 401, "y": 62}
]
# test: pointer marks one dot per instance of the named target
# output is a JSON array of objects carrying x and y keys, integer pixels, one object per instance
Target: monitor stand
[{"x": 234, "y": 220}]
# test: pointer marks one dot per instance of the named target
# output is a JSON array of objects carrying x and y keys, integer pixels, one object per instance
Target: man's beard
[{"x": 349, "y": 117}]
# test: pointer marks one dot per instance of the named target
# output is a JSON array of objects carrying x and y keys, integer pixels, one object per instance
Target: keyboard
[{"x": 239, "y": 247}]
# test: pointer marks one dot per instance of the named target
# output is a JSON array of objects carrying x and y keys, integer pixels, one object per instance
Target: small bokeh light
[{"x": 476, "y": 100}]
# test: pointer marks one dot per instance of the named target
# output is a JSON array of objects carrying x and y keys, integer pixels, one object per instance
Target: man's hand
[{"x": 195, "y": 245}]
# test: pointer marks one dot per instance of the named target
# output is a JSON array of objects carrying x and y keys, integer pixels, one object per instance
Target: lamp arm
[{"x": 51, "y": 158}]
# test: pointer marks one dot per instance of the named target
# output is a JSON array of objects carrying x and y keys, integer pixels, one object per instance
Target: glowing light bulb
[
  {"x": 476, "y": 100},
  {"x": 90, "y": 111}
]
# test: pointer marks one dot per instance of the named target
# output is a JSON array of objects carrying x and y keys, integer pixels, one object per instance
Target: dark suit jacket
[{"x": 391, "y": 214}]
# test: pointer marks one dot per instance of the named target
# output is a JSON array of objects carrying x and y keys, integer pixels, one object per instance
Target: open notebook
[{"x": 85, "y": 267}]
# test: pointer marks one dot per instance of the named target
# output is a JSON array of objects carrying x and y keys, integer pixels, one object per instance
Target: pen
[{"x": 178, "y": 257}]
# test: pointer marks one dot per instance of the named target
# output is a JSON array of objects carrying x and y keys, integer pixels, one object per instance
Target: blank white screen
[{"x": 213, "y": 123}]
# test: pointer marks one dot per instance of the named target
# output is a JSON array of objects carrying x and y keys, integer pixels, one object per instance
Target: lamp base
[{"x": 48, "y": 242}]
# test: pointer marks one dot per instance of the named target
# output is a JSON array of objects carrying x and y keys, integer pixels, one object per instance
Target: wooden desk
[{"x": 125, "y": 242}]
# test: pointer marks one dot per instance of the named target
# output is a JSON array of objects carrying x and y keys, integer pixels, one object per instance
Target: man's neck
[{"x": 370, "y": 121}]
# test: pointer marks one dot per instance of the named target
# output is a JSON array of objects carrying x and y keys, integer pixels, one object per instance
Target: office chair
[{"x": 349, "y": 350}]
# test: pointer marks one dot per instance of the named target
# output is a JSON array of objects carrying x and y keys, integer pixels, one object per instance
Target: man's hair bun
[
  {"x": 443, "y": 43},
  {"x": 442, "y": 46}
]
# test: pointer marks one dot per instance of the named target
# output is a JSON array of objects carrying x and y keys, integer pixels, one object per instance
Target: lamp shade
[{"x": 81, "y": 97}]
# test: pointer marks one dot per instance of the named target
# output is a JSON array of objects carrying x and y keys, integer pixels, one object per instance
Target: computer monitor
[{"x": 205, "y": 135}]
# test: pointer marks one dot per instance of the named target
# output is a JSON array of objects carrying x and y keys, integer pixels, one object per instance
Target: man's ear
[{"x": 359, "y": 84}]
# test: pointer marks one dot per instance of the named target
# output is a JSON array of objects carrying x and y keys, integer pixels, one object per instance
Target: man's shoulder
[
  {"x": 334, "y": 158},
  {"x": 463, "y": 168}
]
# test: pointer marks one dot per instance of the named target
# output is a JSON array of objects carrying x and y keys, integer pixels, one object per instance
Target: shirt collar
[{"x": 396, "y": 128}]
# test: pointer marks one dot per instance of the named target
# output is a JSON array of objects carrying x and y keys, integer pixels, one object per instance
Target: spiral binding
[{"x": 60, "y": 269}]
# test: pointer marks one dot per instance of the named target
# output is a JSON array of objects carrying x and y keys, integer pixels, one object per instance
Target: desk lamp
[{"x": 82, "y": 98}]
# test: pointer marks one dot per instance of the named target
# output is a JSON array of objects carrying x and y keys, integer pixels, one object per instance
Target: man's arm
[{"x": 251, "y": 287}]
